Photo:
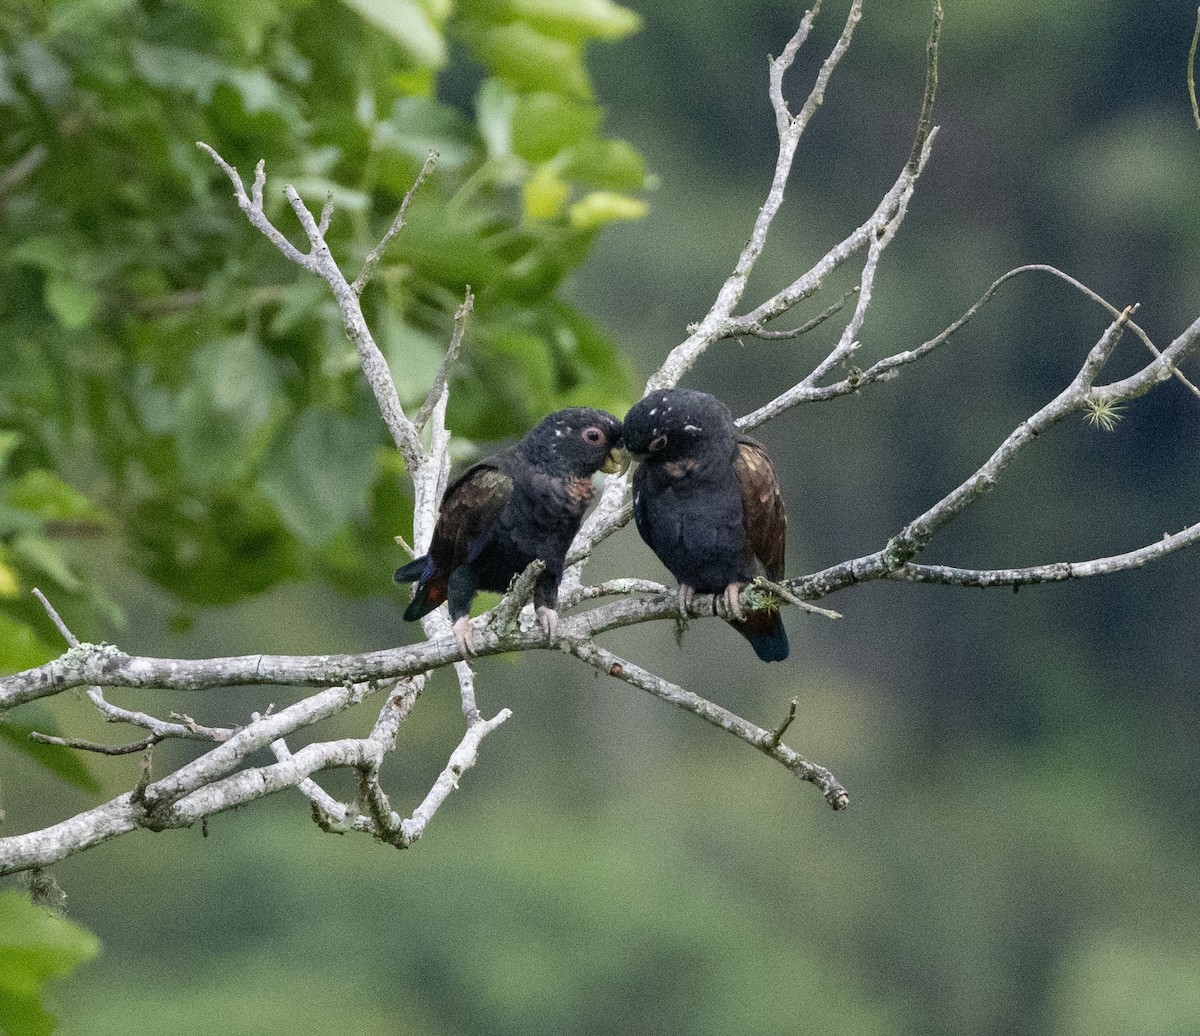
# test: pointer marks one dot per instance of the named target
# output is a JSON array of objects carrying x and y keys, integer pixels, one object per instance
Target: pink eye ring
[
  {"x": 593, "y": 435},
  {"x": 657, "y": 443}
]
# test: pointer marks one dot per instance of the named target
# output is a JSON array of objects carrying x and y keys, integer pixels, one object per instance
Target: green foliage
[
  {"x": 35, "y": 945},
  {"x": 65, "y": 765},
  {"x": 172, "y": 384}
]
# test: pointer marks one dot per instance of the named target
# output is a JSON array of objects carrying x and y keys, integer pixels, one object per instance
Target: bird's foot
[
  {"x": 686, "y": 595},
  {"x": 548, "y": 620},
  {"x": 732, "y": 601},
  {"x": 464, "y": 633}
]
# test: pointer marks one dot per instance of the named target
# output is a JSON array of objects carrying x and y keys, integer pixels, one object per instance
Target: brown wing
[
  {"x": 471, "y": 505},
  {"x": 762, "y": 504}
]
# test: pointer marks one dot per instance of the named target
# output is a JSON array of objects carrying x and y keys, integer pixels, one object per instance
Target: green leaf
[
  {"x": 546, "y": 123},
  {"x": 412, "y": 354},
  {"x": 16, "y": 520},
  {"x": 418, "y": 125},
  {"x": 63, "y": 762},
  {"x": 226, "y": 411},
  {"x": 214, "y": 551},
  {"x": 260, "y": 93},
  {"x": 530, "y": 60},
  {"x": 44, "y": 556},
  {"x": 320, "y": 479},
  {"x": 42, "y": 251},
  {"x": 602, "y": 207},
  {"x": 75, "y": 15},
  {"x": 47, "y": 496},
  {"x": 20, "y": 647},
  {"x": 180, "y": 69},
  {"x": 495, "y": 105},
  {"x": 611, "y": 165},
  {"x": 410, "y": 24},
  {"x": 48, "y": 77},
  {"x": 579, "y": 19},
  {"x": 35, "y": 945},
  {"x": 72, "y": 304},
  {"x": 10, "y": 585},
  {"x": 9, "y": 441},
  {"x": 545, "y": 194},
  {"x": 8, "y": 92},
  {"x": 248, "y": 24}
]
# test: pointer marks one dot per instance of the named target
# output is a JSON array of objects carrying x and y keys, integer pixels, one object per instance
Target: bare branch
[
  {"x": 439, "y": 382},
  {"x": 925, "y": 119},
  {"x": 188, "y": 730},
  {"x": 319, "y": 260},
  {"x": 67, "y": 635},
  {"x": 778, "y": 68},
  {"x": 252, "y": 207},
  {"x": 779, "y": 731},
  {"x": 1057, "y": 572},
  {"x": 93, "y": 746},
  {"x": 888, "y": 367},
  {"x": 713, "y": 326},
  {"x": 461, "y": 760},
  {"x": 1191, "y": 71},
  {"x": 221, "y": 779},
  {"x": 611, "y": 588},
  {"x": 900, "y": 550},
  {"x": 376, "y": 253},
  {"x": 810, "y": 325},
  {"x": 763, "y": 740}
]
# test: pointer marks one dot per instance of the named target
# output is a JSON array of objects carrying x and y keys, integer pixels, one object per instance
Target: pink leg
[
  {"x": 465, "y": 636},
  {"x": 733, "y": 605},
  {"x": 548, "y": 620}
]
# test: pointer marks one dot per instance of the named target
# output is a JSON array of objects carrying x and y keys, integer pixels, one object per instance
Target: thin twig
[
  {"x": 94, "y": 746},
  {"x": 714, "y": 324},
  {"x": 376, "y": 253},
  {"x": 55, "y": 618},
  {"x": 188, "y": 730},
  {"x": 1191, "y": 71},
  {"x": 461, "y": 760},
  {"x": 779, "y": 731},
  {"x": 888, "y": 367},
  {"x": 1057, "y": 572},
  {"x": 925, "y": 119},
  {"x": 803, "y": 329},
  {"x": 778, "y": 68},
  {"x": 785, "y": 594},
  {"x": 252, "y": 206},
  {"x": 622, "y": 669},
  {"x": 320, "y": 261},
  {"x": 443, "y": 371}
]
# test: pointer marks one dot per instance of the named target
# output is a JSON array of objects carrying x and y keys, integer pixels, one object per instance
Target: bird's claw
[
  {"x": 464, "y": 634},
  {"x": 732, "y": 601},
  {"x": 548, "y": 620},
  {"x": 686, "y": 593}
]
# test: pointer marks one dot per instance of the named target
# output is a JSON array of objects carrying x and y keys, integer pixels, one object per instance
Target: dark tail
[
  {"x": 764, "y": 630},
  {"x": 430, "y": 590}
]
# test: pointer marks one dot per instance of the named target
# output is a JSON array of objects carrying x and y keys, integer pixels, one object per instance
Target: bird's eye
[
  {"x": 657, "y": 443},
  {"x": 593, "y": 435}
]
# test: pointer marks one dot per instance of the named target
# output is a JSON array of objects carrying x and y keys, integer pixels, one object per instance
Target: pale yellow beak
[{"x": 617, "y": 461}]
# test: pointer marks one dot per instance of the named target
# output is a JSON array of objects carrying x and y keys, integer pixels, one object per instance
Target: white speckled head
[{"x": 672, "y": 423}]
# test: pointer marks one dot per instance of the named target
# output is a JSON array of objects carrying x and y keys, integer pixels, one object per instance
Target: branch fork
[{"x": 221, "y": 777}]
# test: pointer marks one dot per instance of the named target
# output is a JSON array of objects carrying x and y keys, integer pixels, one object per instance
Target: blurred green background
[{"x": 1021, "y": 853}]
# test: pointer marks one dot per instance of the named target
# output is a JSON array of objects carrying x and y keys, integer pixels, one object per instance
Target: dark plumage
[
  {"x": 521, "y": 504},
  {"x": 707, "y": 502}
]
